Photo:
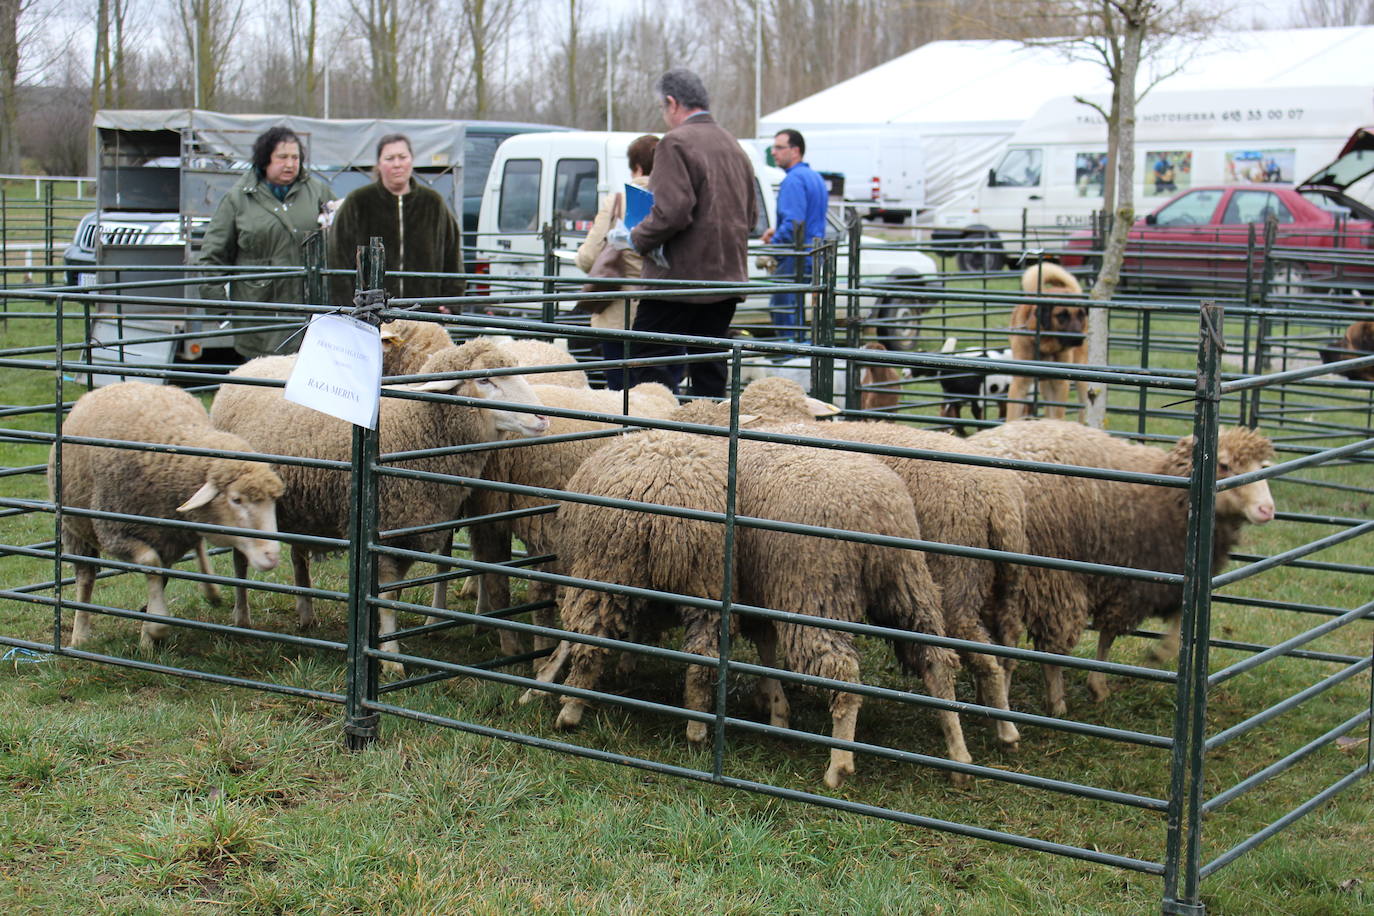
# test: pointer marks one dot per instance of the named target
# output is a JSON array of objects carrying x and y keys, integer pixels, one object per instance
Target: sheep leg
[
  {"x": 992, "y": 683},
  {"x": 440, "y": 599},
  {"x": 157, "y": 600},
  {"x": 549, "y": 671},
  {"x": 844, "y": 720},
  {"x": 300, "y": 566},
  {"x": 241, "y": 618},
  {"x": 85, "y": 584},
  {"x": 1097, "y": 681},
  {"x": 209, "y": 589},
  {"x": 770, "y": 688},
  {"x": 1166, "y": 650},
  {"x": 546, "y": 617},
  {"x": 491, "y": 544},
  {"x": 586, "y": 610},
  {"x": 1054, "y": 692},
  {"x": 938, "y": 676},
  {"x": 699, "y": 691}
]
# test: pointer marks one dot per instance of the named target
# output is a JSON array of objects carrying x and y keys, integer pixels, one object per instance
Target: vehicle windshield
[
  {"x": 1019, "y": 168},
  {"x": 1192, "y": 209}
]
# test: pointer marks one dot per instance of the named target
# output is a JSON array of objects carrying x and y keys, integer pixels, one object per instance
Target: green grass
[{"x": 123, "y": 791}]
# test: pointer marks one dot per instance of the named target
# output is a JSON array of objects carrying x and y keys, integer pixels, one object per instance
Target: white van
[
  {"x": 558, "y": 178},
  {"x": 882, "y": 169},
  {"x": 1049, "y": 180}
]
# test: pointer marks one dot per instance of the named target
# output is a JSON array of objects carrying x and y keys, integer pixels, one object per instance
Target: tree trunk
[
  {"x": 9, "y": 85},
  {"x": 1123, "y": 217}
]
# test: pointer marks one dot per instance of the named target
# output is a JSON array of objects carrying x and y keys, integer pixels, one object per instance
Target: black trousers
[{"x": 698, "y": 319}]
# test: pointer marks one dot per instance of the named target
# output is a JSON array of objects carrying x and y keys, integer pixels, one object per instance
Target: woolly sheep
[
  {"x": 1120, "y": 524},
  {"x": 538, "y": 353},
  {"x": 547, "y": 465},
  {"x": 232, "y": 492},
  {"x": 954, "y": 504},
  {"x": 772, "y": 569},
  {"x": 407, "y": 344},
  {"x": 317, "y": 499}
]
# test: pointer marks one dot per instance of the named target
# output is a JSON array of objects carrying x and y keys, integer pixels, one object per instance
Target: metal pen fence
[{"x": 1302, "y": 656}]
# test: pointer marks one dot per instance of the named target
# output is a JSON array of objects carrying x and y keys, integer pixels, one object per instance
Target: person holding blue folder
[{"x": 697, "y": 229}]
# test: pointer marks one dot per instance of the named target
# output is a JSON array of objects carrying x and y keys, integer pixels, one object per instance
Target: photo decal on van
[
  {"x": 1264, "y": 166},
  {"x": 1167, "y": 172},
  {"x": 1089, "y": 174}
]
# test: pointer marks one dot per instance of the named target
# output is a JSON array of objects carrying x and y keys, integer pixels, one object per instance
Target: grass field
[{"x": 133, "y": 792}]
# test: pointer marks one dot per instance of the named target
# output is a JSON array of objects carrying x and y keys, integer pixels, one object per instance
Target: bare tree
[
  {"x": 209, "y": 28},
  {"x": 1335, "y": 13},
  {"x": 302, "y": 20},
  {"x": 21, "y": 24}
]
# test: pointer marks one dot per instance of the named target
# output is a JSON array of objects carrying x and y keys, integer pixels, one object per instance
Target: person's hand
[
  {"x": 767, "y": 236},
  {"x": 619, "y": 237}
]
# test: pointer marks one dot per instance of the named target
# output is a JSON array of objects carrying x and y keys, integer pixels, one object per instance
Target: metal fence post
[
  {"x": 1183, "y": 847},
  {"x": 361, "y": 722},
  {"x": 49, "y": 230},
  {"x": 315, "y": 291},
  {"x": 549, "y": 235},
  {"x": 724, "y": 646},
  {"x": 823, "y": 367}
]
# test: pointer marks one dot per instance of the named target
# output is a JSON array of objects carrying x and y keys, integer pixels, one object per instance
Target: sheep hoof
[
  {"x": 394, "y": 669},
  {"x": 152, "y": 634},
  {"x": 569, "y": 717},
  {"x": 529, "y": 696},
  {"x": 696, "y": 732},
  {"x": 960, "y": 780},
  {"x": 1009, "y": 737},
  {"x": 838, "y": 771},
  {"x": 211, "y": 592},
  {"x": 1099, "y": 691}
]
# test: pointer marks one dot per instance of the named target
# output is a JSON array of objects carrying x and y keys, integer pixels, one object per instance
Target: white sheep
[
  {"x": 231, "y": 492},
  {"x": 1119, "y": 524},
  {"x": 317, "y": 499},
  {"x": 547, "y": 465},
  {"x": 823, "y": 577}
]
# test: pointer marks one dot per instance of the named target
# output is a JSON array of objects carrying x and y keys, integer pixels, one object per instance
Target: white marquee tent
[{"x": 964, "y": 98}]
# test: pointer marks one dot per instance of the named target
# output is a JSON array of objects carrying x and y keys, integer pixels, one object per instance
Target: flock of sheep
[{"x": 919, "y": 599}]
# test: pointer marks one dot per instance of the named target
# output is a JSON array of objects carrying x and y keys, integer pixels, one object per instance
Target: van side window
[
  {"x": 760, "y": 224},
  {"x": 574, "y": 193},
  {"x": 519, "y": 210},
  {"x": 1019, "y": 168},
  {"x": 1254, "y": 207},
  {"x": 479, "y": 151}
]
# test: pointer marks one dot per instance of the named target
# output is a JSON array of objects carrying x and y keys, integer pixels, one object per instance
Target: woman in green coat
[
  {"x": 413, "y": 222},
  {"x": 264, "y": 221}
]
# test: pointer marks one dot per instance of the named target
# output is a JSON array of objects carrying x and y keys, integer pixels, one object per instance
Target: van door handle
[
  {"x": 503, "y": 243},
  {"x": 1035, "y": 197}
]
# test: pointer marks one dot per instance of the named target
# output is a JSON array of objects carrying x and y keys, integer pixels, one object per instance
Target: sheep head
[
  {"x": 480, "y": 354},
  {"x": 1239, "y": 451},
  {"x": 239, "y": 494},
  {"x": 781, "y": 400}
]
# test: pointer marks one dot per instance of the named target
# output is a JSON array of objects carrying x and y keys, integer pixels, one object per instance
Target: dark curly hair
[{"x": 266, "y": 143}]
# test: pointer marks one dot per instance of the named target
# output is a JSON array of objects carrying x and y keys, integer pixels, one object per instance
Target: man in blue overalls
[{"x": 801, "y": 200}]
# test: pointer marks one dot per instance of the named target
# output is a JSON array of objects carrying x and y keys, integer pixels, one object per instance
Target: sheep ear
[
  {"x": 820, "y": 408},
  {"x": 443, "y": 384},
  {"x": 207, "y": 492}
]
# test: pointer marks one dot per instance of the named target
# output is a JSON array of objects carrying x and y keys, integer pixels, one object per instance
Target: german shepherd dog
[
  {"x": 1358, "y": 341},
  {"x": 1055, "y": 335}
]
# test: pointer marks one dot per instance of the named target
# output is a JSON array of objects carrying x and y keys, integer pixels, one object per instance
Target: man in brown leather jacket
[{"x": 704, "y": 207}]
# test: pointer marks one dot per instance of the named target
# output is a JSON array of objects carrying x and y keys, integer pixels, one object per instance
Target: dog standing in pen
[{"x": 1049, "y": 332}]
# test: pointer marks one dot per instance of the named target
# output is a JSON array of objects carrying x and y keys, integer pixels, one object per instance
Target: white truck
[
  {"x": 881, "y": 171},
  {"x": 557, "y": 179},
  {"x": 1049, "y": 180}
]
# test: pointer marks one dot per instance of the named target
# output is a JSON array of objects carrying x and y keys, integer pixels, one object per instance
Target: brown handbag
[{"x": 609, "y": 263}]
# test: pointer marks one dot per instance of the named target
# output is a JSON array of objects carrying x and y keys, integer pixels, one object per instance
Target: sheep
[
  {"x": 531, "y": 352},
  {"x": 407, "y": 344},
  {"x": 823, "y": 577},
  {"x": 1120, "y": 524},
  {"x": 955, "y": 504},
  {"x": 546, "y": 465},
  {"x": 232, "y": 492},
  {"x": 317, "y": 499}
]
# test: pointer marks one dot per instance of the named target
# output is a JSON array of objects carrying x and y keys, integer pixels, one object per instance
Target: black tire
[
  {"x": 984, "y": 253},
  {"x": 895, "y": 316}
]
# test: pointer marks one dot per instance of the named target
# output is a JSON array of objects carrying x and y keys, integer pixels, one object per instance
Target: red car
[{"x": 1203, "y": 233}]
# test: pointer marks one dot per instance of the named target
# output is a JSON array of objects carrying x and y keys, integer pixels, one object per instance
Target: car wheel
[
  {"x": 895, "y": 317},
  {"x": 984, "y": 252}
]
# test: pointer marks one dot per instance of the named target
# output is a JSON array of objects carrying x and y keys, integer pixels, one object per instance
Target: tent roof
[
  {"x": 962, "y": 85},
  {"x": 333, "y": 141}
]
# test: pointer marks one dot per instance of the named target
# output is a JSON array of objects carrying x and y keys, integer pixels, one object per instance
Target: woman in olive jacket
[
  {"x": 264, "y": 221},
  {"x": 414, "y": 223}
]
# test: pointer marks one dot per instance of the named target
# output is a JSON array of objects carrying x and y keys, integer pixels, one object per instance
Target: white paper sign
[{"x": 339, "y": 370}]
